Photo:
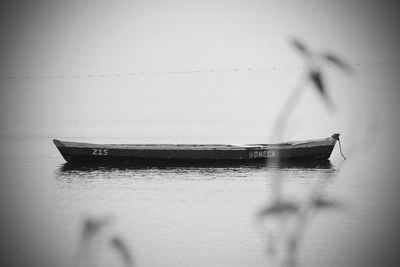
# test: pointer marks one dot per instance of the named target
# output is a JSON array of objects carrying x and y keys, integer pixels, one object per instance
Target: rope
[
  {"x": 340, "y": 148},
  {"x": 137, "y": 74}
]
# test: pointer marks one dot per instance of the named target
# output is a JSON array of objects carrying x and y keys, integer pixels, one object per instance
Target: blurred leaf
[
  {"x": 300, "y": 47},
  {"x": 279, "y": 208},
  {"x": 91, "y": 227},
  {"x": 316, "y": 78},
  {"x": 119, "y": 245},
  {"x": 322, "y": 203},
  {"x": 338, "y": 62}
]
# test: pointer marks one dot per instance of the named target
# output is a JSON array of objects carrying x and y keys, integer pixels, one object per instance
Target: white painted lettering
[
  {"x": 100, "y": 151},
  {"x": 262, "y": 154}
]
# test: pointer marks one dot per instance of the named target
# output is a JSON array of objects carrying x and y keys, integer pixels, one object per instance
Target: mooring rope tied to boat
[{"x": 340, "y": 148}]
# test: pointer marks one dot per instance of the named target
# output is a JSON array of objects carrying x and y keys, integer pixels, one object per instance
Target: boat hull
[{"x": 171, "y": 154}]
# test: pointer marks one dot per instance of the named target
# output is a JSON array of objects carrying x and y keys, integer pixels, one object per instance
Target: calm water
[{"x": 191, "y": 216}]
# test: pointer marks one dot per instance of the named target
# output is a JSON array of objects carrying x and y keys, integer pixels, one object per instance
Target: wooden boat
[{"x": 187, "y": 154}]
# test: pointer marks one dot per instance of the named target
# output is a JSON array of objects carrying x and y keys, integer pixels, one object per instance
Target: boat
[{"x": 196, "y": 154}]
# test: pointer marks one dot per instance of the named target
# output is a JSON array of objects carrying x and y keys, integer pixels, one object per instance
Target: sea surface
[{"x": 194, "y": 216}]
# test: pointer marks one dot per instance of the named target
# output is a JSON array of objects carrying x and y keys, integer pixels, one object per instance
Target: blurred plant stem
[
  {"x": 290, "y": 104},
  {"x": 94, "y": 236},
  {"x": 287, "y": 220}
]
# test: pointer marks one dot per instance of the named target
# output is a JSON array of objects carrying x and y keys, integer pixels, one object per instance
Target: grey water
[{"x": 194, "y": 216}]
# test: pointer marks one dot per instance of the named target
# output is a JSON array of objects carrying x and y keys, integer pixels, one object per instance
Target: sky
[
  {"x": 171, "y": 58},
  {"x": 96, "y": 37}
]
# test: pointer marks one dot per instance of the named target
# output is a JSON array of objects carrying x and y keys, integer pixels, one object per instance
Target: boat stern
[{"x": 335, "y": 136}]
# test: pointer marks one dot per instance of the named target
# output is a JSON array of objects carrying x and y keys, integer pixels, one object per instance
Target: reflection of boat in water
[
  {"x": 78, "y": 171},
  {"x": 196, "y": 155},
  {"x": 93, "y": 167}
]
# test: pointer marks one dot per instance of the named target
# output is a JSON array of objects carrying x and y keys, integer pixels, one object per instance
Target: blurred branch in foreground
[
  {"x": 93, "y": 239},
  {"x": 314, "y": 76},
  {"x": 122, "y": 249},
  {"x": 286, "y": 220}
]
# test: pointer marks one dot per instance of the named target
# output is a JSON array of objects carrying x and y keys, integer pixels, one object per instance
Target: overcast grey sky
[
  {"x": 52, "y": 41},
  {"x": 84, "y": 37}
]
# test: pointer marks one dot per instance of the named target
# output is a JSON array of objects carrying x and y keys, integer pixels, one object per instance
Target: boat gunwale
[{"x": 223, "y": 147}]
